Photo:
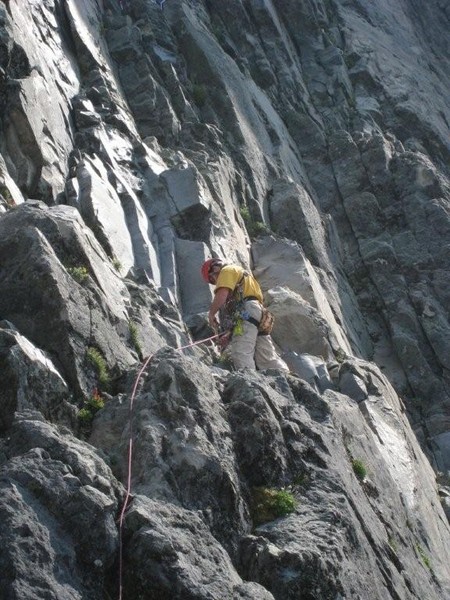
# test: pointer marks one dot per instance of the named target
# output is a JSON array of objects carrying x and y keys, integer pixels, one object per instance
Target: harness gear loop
[
  {"x": 235, "y": 311},
  {"x": 231, "y": 314}
]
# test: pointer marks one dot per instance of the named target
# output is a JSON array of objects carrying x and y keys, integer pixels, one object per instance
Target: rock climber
[{"x": 238, "y": 301}]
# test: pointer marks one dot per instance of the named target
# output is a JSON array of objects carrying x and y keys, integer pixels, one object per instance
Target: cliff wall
[{"x": 306, "y": 140}]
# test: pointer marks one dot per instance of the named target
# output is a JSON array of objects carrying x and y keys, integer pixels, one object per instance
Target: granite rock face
[
  {"x": 30, "y": 379},
  {"x": 307, "y": 141},
  {"x": 58, "y": 506}
]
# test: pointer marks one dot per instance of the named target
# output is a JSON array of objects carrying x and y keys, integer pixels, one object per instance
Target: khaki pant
[{"x": 253, "y": 351}]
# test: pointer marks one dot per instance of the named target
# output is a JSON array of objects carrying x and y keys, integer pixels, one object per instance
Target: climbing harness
[
  {"x": 130, "y": 449},
  {"x": 234, "y": 313}
]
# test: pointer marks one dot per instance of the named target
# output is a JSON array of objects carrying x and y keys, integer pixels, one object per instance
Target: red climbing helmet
[{"x": 208, "y": 266}]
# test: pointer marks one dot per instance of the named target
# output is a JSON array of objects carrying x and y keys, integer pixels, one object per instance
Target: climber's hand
[{"x": 213, "y": 322}]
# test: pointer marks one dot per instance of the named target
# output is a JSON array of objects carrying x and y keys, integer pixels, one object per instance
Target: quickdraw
[{"x": 233, "y": 314}]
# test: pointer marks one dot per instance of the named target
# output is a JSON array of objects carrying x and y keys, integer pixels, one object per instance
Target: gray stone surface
[
  {"x": 57, "y": 312},
  {"x": 282, "y": 263},
  {"x": 269, "y": 431},
  {"x": 175, "y": 556},
  {"x": 194, "y": 294},
  {"x": 310, "y": 368},
  {"x": 102, "y": 211},
  {"x": 198, "y": 470},
  {"x": 30, "y": 379},
  {"x": 36, "y": 143},
  {"x": 58, "y": 507}
]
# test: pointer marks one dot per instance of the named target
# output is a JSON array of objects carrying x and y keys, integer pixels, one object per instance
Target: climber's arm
[{"x": 220, "y": 298}]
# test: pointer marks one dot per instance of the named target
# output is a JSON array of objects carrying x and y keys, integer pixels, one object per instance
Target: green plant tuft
[
  {"x": 132, "y": 328},
  {"x": 301, "y": 480},
  {"x": 393, "y": 544},
  {"x": 4, "y": 191},
  {"x": 95, "y": 402},
  {"x": 245, "y": 214},
  {"x": 425, "y": 559},
  {"x": 90, "y": 408},
  {"x": 224, "y": 361},
  {"x": 254, "y": 228},
  {"x": 359, "y": 469},
  {"x": 199, "y": 94},
  {"x": 258, "y": 228},
  {"x": 99, "y": 364},
  {"x": 269, "y": 504},
  {"x": 80, "y": 274},
  {"x": 117, "y": 265},
  {"x": 85, "y": 416}
]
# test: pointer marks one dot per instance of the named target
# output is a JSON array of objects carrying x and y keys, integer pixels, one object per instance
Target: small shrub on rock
[
  {"x": 80, "y": 274},
  {"x": 224, "y": 361},
  {"x": 134, "y": 338},
  {"x": 95, "y": 402},
  {"x": 359, "y": 469},
  {"x": 99, "y": 364},
  {"x": 85, "y": 416},
  {"x": 254, "y": 228},
  {"x": 6, "y": 194},
  {"x": 199, "y": 94},
  {"x": 117, "y": 265},
  {"x": 425, "y": 559},
  {"x": 269, "y": 504},
  {"x": 90, "y": 408}
]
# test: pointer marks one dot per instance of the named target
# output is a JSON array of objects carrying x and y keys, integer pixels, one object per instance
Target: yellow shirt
[{"x": 229, "y": 277}]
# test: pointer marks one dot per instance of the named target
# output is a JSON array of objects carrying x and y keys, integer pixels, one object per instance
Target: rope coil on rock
[{"x": 130, "y": 447}]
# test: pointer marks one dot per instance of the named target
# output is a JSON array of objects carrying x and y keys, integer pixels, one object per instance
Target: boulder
[
  {"x": 299, "y": 327},
  {"x": 310, "y": 368},
  {"x": 172, "y": 554},
  {"x": 58, "y": 508},
  {"x": 178, "y": 412},
  {"x": 30, "y": 379},
  {"x": 281, "y": 262},
  {"x": 49, "y": 296}
]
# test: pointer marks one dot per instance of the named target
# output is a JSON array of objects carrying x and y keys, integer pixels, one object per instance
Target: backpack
[{"x": 266, "y": 322}]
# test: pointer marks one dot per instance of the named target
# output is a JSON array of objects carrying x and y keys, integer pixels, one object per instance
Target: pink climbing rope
[{"x": 130, "y": 448}]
